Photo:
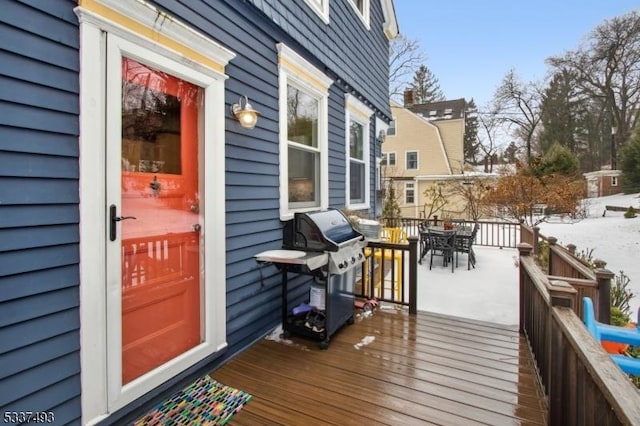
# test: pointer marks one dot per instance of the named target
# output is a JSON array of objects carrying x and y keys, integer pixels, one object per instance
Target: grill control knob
[{"x": 353, "y": 260}]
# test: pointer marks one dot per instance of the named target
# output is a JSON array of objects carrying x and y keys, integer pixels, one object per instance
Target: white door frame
[{"x": 105, "y": 31}]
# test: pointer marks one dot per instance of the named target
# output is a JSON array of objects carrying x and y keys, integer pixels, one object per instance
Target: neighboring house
[
  {"x": 132, "y": 201},
  {"x": 603, "y": 182},
  {"x": 424, "y": 148}
]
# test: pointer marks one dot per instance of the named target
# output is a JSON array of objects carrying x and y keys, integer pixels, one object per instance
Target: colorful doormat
[{"x": 204, "y": 402}]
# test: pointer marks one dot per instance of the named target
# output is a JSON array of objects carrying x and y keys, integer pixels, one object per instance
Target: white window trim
[
  {"x": 321, "y": 8},
  {"x": 614, "y": 180},
  {"x": 296, "y": 71},
  {"x": 406, "y": 191},
  {"x": 357, "y": 111},
  {"x": 394, "y": 121},
  {"x": 164, "y": 43},
  {"x": 365, "y": 14},
  {"x": 406, "y": 160},
  {"x": 395, "y": 158}
]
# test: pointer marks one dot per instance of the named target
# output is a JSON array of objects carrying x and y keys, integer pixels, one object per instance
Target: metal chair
[
  {"x": 464, "y": 244},
  {"x": 442, "y": 243},
  {"x": 423, "y": 229}
]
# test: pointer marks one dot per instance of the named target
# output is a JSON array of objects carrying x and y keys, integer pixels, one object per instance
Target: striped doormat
[{"x": 204, "y": 402}]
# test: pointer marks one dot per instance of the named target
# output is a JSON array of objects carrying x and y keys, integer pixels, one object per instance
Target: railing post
[
  {"x": 413, "y": 274},
  {"x": 603, "y": 277},
  {"x": 552, "y": 242},
  {"x": 562, "y": 295},
  {"x": 536, "y": 235},
  {"x": 524, "y": 250},
  {"x": 572, "y": 248}
]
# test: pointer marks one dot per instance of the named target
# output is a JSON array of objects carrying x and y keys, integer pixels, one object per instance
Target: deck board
[{"x": 420, "y": 369}]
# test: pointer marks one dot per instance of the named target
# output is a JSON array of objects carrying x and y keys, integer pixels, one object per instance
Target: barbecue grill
[{"x": 322, "y": 244}]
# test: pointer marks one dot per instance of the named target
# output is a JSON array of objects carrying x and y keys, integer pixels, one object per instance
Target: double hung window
[
  {"x": 303, "y": 135},
  {"x": 358, "y": 118},
  {"x": 412, "y": 160}
]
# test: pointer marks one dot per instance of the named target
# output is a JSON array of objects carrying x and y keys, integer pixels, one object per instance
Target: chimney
[{"x": 408, "y": 98}]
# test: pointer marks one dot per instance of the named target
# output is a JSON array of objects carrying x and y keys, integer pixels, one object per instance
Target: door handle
[{"x": 113, "y": 218}]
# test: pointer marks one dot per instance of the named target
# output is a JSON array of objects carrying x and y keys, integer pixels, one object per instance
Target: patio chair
[
  {"x": 442, "y": 244},
  {"x": 423, "y": 229},
  {"x": 392, "y": 235},
  {"x": 464, "y": 244}
]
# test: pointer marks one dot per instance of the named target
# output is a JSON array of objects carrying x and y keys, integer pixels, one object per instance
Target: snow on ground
[
  {"x": 487, "y": 293},
  {"x": 490, "y": 291},
  {"x": 613, "y": 238}
]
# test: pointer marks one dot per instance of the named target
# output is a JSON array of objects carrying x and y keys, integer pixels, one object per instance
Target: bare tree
[
  {"x": 607, "y": 67},
  {"x": 488, "y": 132},
  {"x": 518, "y": 105},
  {"x": 405, "y": 57}
]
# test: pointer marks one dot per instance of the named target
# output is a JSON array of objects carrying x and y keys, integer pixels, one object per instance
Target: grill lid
[{"x": 322, "y": 230}]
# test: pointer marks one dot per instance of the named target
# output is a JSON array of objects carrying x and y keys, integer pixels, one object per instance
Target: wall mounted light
[{"x": 245, "y": 114}]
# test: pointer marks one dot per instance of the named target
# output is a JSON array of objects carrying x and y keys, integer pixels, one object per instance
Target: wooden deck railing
[
  {"x": 490, "y": 233},
  {"x": 562, "y": 263},
  {"x": 581, "y": 383},
  {"x": 390, "y": 273}
]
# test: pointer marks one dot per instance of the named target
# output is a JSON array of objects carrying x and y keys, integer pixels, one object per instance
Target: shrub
[
  {"x": 630, "y": 213},
  {"x": 621, "y": 295}
]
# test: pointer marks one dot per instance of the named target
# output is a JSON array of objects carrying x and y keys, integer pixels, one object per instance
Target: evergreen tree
[
  {"x": 471, "y": 144},
  {"x": 510, "y": 154},
  {"x": 426, "y": 88},
  {"x": 558, "y": 160},
  {"x": 630, "y": 163},
  {"x": 559, "y": 113}
]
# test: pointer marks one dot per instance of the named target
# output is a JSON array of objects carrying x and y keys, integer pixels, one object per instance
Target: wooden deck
[{"x": 422, "y": 369}]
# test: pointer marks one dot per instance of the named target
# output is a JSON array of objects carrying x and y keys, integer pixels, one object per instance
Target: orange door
[{"x": 159, "y": 222}]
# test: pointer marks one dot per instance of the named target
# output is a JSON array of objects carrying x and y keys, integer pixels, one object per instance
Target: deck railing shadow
[{"x": 581, "y": 383}]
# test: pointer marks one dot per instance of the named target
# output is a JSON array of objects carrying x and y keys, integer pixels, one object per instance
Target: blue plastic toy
[{"x": 612, "y": 333}]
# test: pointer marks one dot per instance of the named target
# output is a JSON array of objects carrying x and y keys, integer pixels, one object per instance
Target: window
[
  {"x": 388, "y": 159},
  {"x": 304, "y": 174},
  {"x": 391, "y": 131},
  {"x": 409, "y": 192},
  {"x": 362, "y": 10},
  {"x": 358, "y": 124},
  {"x": 412, "y": 160},
  {"x": 321, "y": 8},
  {"x": 614, "y": 180}
]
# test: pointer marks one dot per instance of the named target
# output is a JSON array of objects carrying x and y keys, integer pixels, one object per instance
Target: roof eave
[{"x": 390, "y": 21}]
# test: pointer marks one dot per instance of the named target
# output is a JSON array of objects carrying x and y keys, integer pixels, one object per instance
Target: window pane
[
  {"x": 356, "y": 187},
  {"x": 412, "y": 160},
  {"x": 409, "y": 193},
  {"x": 355, "y": 140},
  {"x": 151, "y": 119},
  {"x": 304, "y": 167},
  {"x": 302, "y": 117}
]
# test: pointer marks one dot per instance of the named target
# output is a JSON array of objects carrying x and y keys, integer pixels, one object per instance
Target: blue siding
[
  {"x": 39, "y": 281},
  {"x": 39, "y": 284},
  {"x": 359, "y": 56}
]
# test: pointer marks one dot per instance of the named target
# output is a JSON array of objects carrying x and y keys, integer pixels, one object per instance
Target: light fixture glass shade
[{"x": 246, "y": 115}]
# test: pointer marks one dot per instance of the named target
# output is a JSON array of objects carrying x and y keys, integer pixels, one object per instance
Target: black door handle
[{"x": 113, "y": 218}]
